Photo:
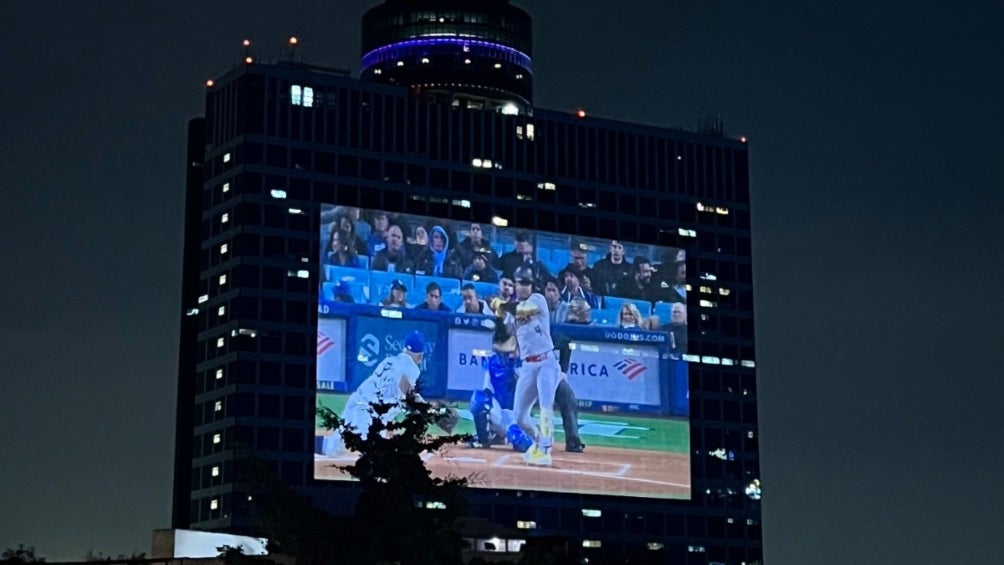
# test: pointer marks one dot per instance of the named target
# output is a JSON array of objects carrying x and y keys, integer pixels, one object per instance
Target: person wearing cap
[
  {"x": 538, "y": 372},
  {"x": 480, "y": 270},
  {"x": 437, "y": 259},
  {"x": 396, "y": 297},
  {"x": 391, "y": 382},
  {"x": 573, "y": 289}
]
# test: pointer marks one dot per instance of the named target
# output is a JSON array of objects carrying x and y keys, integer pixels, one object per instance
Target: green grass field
[{"x": 621, "y": 429}]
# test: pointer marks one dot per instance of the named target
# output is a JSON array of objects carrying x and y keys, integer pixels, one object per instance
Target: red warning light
[
  {"x": 581, "y": 113},
  {"x": 248, "y": 60},
  {"x": 742, "y": 139},
  {"x": 293, "y": 40},
  {"x": 209, "y": 83},
  {"x": 246, "y": 43}
]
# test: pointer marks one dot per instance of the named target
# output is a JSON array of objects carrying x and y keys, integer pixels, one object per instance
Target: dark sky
[{"x": 876, "y": 138}]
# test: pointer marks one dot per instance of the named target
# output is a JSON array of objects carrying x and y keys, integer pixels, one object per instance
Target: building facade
[{"x": 282, "y": 141}]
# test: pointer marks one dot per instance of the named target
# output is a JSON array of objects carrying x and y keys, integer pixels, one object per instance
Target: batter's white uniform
[
  {"x": 383, "y": 386},
  {"x": 537, "y": 376}
]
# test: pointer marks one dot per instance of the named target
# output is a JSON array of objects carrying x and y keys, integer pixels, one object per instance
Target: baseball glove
[{"x": 446, "y": 417}]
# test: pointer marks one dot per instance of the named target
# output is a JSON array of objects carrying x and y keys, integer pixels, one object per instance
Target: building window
[
  {"x": 225, "y": 188},
  {"x": 224, "y": 218},
  {"x": 221, "y": 310},
  {"x": 220, "y": 342},
  {"x": 215, "y": 471},
  {"x": 226, "y": 157},
  {"x": 526, "y": 524},
  {"x": 217, "y": 438},
  {"x": 224, "y": 248},
  {"x": 223, "y": 279},
  {"x": 591, "y": 513},
  {"x": 592, "y": 543},
  {"x": 218, "y": 406},
  {"x": 203, "y": 298},
  {"x": 219, "y": 374},
  {"x": 214, "y": 504}
]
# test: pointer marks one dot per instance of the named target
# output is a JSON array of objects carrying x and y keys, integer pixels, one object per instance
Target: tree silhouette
[{"x": 22, "y": 554}]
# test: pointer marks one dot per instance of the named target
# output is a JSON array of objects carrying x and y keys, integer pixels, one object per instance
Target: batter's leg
[
  {"x": 525, "y": 396},
  {"x": 547, "y": 382}
]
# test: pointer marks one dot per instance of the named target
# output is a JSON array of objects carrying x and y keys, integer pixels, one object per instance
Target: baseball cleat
[
  {"x": 537, "y": 456},
  {"x": 577, "y": 448}
]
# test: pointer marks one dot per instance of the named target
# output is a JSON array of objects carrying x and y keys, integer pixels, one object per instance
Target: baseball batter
[
  {"x": 393, "y": 379},
  {"x": 537, "y": 374}
]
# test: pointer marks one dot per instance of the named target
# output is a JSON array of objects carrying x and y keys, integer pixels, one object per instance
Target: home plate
[{"x": 466, "y": 459}]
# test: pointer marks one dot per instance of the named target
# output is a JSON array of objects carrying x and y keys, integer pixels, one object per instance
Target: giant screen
[{"x": 509, "y": 325}]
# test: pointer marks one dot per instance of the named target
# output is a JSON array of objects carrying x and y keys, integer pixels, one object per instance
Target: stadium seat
[
  {"x": 560, "y": 259},
  {"x": 365, "y": 259},
  {"x": 605, "y": 316},
  {"x": 449, "y": 286},
  {"x": 335, "y": 273},
  {"x": 453, "y": 300},
  {"x": 663, "y": 310},
  {"x": 484, "y": 289}
]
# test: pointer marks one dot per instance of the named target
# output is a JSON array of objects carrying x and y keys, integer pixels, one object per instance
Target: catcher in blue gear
[{"x": 491, "y": 407}]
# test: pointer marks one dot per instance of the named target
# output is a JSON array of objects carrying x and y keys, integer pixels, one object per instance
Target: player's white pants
[
  {"x": 357, "y": 416},
  {"x": 536, "y": 382}
]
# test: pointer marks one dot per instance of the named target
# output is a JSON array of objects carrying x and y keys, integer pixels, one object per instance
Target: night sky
[{"x": 876, "y": 145}]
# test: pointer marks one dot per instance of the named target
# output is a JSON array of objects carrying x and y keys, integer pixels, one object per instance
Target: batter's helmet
[{"x": 524, "y": 274}]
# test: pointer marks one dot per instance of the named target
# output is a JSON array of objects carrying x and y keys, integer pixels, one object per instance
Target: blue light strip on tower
[{"x": 395, "y": 51}]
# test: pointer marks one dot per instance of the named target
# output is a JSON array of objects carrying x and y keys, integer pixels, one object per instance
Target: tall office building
[{"x": 319, "y": 203}]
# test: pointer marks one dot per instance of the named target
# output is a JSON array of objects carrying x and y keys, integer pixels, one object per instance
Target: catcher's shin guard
[{"x": 480, "y": 406}]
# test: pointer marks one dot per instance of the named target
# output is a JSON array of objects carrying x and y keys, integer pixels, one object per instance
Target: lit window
[
  {"x": 591, "y": 513},
  {"x": 218, "y": 406},
  {"x": 587, "y": 205},
  {"x": 300, "y": 274},
  {"x": 753, "y": 490},
  {"x": 224, "y": 218},
  {"x": 500, "y": 222},
  {"x": 425, "y": 60},
  {"x": 523, "y": 197},
  {"x": 226, "y": 187},
  {"x": 217, "y": 438},
  {"x": 510, "y": 109},
  {"x": 655, "y": 545},
  {"x": 519, "y": 132},
  {"x": 708, "y": 304},
  {"x": 215, "y": 471},
  {"x": 435, "y": 505},
  {"x": 400, "y": 63},
  {"x": 296, "y": 211},
  {"x": 244, "y": 332},
  {"x": 462, "y": 203},
  {"x": 219, "y": 374},
  {"x": 724, "y": 291},
  {"x": 546, "y": 186},
  {"x": 721, "y": 210},
  {"x": 467, "y": 61},
  {"x": 476, "y": 162},
  {"x": 706, "y": 289},
  {"x": 696, "y": 548},
  {"x": 498, "y": 65},
  {"x": 278, "y": 193},
  {"x": 709, "y": 277},
  {"x": 220, "y": 342},
  {"x": 727, "y": 361},
  {"x": 378, "y": 71},
  {"x": 690, "y": 358},
  {"x": 526, "y": 524},
  {"x": 192, "y": 312},
  {"x": 748, "y": 363},
  {"x": 221, "y": 310},
  {"x": 700, "y": 207},
  {"x": 592, "y": 543},
  {"x": 224, "y": 248},
  {"x": 308, "y": 97},
  {"x": 214, "y": 504},
  {"x": 710, "y": 360},
  {"x": 296, "y": 95},
  {"x": 486, "y": 164},
  {"x": 529, "y": 131},
  {"x": 223, "y": 279},
  {"x": 519, "y": 76},
  {"x": 226, "y": 157}
]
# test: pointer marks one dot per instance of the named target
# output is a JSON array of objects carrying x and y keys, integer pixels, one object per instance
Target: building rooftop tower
[{"x": 476, "y": 54}]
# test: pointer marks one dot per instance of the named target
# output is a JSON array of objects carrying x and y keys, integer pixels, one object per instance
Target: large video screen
[{"x": 563, "y": 355}]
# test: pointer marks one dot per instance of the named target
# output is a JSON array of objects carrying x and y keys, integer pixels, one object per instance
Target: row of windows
[
  {"x": 564, "y": 149},
  {"x": 248, "y": 405}
]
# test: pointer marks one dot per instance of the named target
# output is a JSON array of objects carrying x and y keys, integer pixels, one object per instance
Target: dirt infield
[{"x": 599, "y": 470}]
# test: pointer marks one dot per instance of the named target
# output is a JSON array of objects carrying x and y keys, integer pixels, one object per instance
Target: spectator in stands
[
  {"x": 396, "y": 297},
  {"x": 612, "y": 271},
  {"x": 436, "y": 260},
  {"x": 472, "y": 304},
  {"x": 419, "y": 241},
  {"x": 480, "y": 270},
  {"x": 377, "y": 239},
  {"x": 394, "y": 257},
  {"x": 507, "y": 289},
  {"x": 523, "y": 256},
  {"x": 477, "y": 244},
  {"x": 673, "y": 287},
  {"x": 433, "y": 299},
  {"x": 573, "y": 289},
  {"x": 578, "y": 263},
  {"x": 579, "y": 312},
  {"x": 555, "y": 307},
  {"x": 640, "y": 287},
  {"x": 340, "y": 253},
  {"x": 630, "y": 317},
  {"x": 345, "y": 221},
  {"x": 677, "y": 328}
]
